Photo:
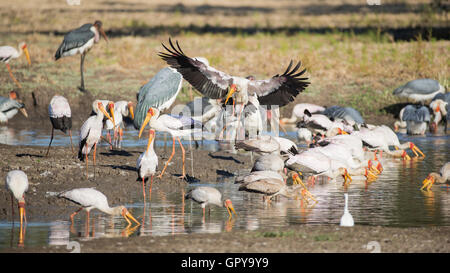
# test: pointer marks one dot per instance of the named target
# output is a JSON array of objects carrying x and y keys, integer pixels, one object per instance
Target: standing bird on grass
[
  {"x": 147, "y": 163},
  {"x": 91, "y": 132},
  {"x": 10, "y": 106},
  {"x": 89, "y": 198},
  {"x": 208, "y": 195},
  {"x": 17, "y": 184},
  {"x": 177, "y": 126},
  {"x": 80, "y": 41},
  {"x": 278, "y": 90},
  {"x": 60, "y": 116},
  {"x": 419, "y": 90},
  {"x": 8, "y": 52}
]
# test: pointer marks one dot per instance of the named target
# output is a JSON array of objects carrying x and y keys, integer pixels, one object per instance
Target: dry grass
[{"x": 358, "y": 70}]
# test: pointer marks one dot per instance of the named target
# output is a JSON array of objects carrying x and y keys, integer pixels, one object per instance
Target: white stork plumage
[
  {"x": 10, "y": 106},
  {"x": 90, "y": 133},
  {"x": 442, "y": 177},
  {"x": 147, "y": 163},
  {"x": 7, "y": 53},
  {"x": 347, "y": 218},
  {"x": 177, "y": 126},
  {"x": 60, "y": 117},
  {"x": 278, "y": 90},
  {"x": 121, "y": 109},
  {"x": 210, "y": 196},
  {"x": 90, "y": 198},
  {"x": 298, "y": 112},
  {"x": 80, "y": 41},
  {"x": 17, "y": 185}
]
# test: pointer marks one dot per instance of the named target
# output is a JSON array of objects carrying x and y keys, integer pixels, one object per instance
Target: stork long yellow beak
[
  {"x": 27, "y": 55},
  {"x": 131, "y": 111},
  {"x": 127, "y": 215},
  {"x": 231, "y": 209},
  {"x": 100, "y": 106},
  {"x": 111, "y": 110},
  {"x": 23, "y": 111},
  {"x": 416, "y": 149},
  {"x": 146, "y": 120},
  {"x": 428, "y": 183},
  {"x": 230, "y": 92}
]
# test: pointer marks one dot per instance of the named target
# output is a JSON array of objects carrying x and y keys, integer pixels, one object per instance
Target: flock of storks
[{"x": 234, "y": 109}]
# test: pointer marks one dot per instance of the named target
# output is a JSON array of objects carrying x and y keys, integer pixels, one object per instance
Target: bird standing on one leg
[{"x": 80, "y": 41}]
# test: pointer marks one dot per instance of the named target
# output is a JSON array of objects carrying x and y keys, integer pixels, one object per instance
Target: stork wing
[
  {"x": 411, "y": 113},
  {"x": 206, "y": 79},
  {"x": 280, "y": 89},
  {"x": 175, "y": 122},
  {"x": 74, "y": 39},
  {"x": 7, "y": 104}
]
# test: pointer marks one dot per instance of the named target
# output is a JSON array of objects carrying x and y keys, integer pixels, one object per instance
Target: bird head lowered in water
[
  {"x": 227, "y": 204},
  {"x": 122, "y": 210},
  {"x": 99, "y": 26},
  {"x": 14, "y": 96}
]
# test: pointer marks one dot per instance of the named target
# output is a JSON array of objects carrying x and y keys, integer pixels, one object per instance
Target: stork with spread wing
[{"x": 278, "y": 90}]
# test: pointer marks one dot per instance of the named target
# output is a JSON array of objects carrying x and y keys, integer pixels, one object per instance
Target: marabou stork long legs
[{"x": 81, "y": 88}]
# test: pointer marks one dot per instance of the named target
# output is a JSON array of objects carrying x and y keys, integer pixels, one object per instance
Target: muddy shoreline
[{"x": 115, "y": 176}]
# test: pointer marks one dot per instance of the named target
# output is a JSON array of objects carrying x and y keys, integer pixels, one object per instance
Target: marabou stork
[
  {"x": 419, "y": 90},
  {"x": 416, "y": 118},
  {"x": 80, "y": 41},
  {"x": 60, "y": 117}
]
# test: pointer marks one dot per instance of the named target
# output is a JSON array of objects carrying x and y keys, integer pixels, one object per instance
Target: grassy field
[{"x": 355, "y": 54}]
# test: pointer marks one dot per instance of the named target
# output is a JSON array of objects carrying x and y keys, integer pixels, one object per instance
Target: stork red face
[
  {"x": 233, "y": 89},
  {"x": 150, "y": 113},
  {"x": 111, "y": 111},
  {"x": 230, "y": 208}
]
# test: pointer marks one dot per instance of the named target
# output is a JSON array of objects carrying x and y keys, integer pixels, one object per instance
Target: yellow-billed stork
[
  {"x": 8, "y": 53},
  {"x": 210, "y": 196},
  {"x": 442, "y": 177},
  {"x": 10, "y": 106},
  {"x": 147, "y": 163}
]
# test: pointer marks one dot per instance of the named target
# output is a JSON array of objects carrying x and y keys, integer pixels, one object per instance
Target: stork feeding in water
[
  {"x": 10, "y": 106},
  {"x": 17, "y": 184},
  {"x": 7, "y": 53},
  {"x": 208, "y": 195},
  {"x": 80, "y": 41}
]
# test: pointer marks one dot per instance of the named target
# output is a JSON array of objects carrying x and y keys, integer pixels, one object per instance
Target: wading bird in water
[
  {"x": 89, "y": 198},
  {"x": 442, "y": 177},
  {"x": 147, "y": 163},
  {"x": 210, "y": 196},
  {"x": 80, "y": 41},
  {"x": 10, "y": 106},
  {"x": 91, "y": 132},
  {"x": 278, "y": 90},
  {"x": 177, "y": 126},
  {"x": 17, "y": 184},
  {"x": 8, "y": 52},
  {"x": 61, "y": 117}
]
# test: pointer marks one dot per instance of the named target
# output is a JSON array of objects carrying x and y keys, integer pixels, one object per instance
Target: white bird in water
[
  {"x": 177, "y": 126},
  {"x": 442, "y": 177},
  {"x": 60, "y": 116},
  {"x": 17, "y": 184},
  {"x": 121, "y": 109},
  {"x": 347, "y": 218},
  {"x": 80, "y": 41},
  {"x": 147, "y": 163},
  {"x": 8, "y": 52},
  {"x": 10, "y": 106},
  {"x": 89, "y": 198},
  {"x": 210, "y": 196},
  {"x": 91, "y": 132}
]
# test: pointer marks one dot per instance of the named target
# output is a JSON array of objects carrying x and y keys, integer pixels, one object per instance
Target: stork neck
[
  {"x": 111, "y": 210},
  {"x": 346, "y": 203},
  {"x": 150, "y": 143}
]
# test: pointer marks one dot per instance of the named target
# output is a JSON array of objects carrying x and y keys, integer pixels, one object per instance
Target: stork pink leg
[
  {"x": 143, "y": 187},
  {"x": 86, "y": 155},
  {"x": 12, "y": 76},
  {"x": 170, "y": 158},
  {"x": 51, "y": 139},
  {"x": 184, "y": 157}
]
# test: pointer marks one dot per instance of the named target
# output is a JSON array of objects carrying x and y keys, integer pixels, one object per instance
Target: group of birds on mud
[{"x": 339, "y": 142}]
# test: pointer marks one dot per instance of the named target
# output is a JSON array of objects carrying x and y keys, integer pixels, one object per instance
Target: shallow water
[{"x": 393, "y": 200}]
